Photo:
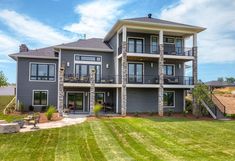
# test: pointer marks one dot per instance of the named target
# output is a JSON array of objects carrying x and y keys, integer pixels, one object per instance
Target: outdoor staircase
[{"x": 213, "y": 105}]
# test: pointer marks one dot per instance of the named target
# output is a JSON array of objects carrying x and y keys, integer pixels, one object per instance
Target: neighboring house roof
[
  {"x": 219, "y": 84},
  {"x": 146, "y": 21},
  {"x": 93, "y": 44}
]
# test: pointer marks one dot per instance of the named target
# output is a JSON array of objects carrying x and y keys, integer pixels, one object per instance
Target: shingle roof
[
  {"x": 219, "y": 84},
  {"x": 93, "y": 43},
  {"x": 155, "y": 20},
  {"x": 48, "y": 52}
]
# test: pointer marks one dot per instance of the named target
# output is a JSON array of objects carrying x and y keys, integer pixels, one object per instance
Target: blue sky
[{"x": 40, "y": 23}]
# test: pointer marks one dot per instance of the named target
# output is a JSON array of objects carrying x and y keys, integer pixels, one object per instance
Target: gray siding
[
  {"x": 179, "y": 102},
  {"x": 107, "y": 58},
  {"x": 142, "y": 100},
  {"x": 25, "y": 87}
]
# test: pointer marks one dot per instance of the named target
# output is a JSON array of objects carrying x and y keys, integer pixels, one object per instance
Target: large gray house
[{"x": 139, "y": 66}]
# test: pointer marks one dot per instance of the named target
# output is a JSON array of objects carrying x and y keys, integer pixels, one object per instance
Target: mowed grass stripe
[
  {"x": 107, "y": 143},
  {"x": 134, "y": 148},
  {"x": 153, "y": 145},
  {"x": 164, "y": 137}
]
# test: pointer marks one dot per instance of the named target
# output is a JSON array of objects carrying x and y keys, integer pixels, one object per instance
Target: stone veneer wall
[
  {"x": 92, "y": 91},
  {"x": 124, "y": 79},
  {"x": 161, "y": 81},
  {"x": 61, "y": 90}
]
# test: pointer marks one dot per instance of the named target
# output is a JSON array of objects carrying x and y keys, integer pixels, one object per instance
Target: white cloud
[
  {"x": 217, "y": 43},
  {"x": 32, "y": 29},
  {"x": 95, "y": 17},
  {"x": 8, "y": 44}
]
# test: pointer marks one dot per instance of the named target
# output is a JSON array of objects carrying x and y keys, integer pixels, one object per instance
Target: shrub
[
  {"x": 97, "y": 109},
  {"x": 232, "y": 116},
  {"x": 151, "y": 113},
  {"x": 31, "y": 108},
  {"x": 170, "y": 112},
  {"x": 50, "y": 111}
]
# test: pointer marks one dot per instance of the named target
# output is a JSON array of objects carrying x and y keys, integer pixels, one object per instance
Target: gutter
[{"x": 84, "y": 49}]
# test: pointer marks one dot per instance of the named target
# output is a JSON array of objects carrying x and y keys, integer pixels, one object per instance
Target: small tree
[
  {"x": 230, "y": 80},
  {"x": 199, "y": 93},
  {"x": 220, "y": 79},
  {"x": 3, "y": 79}
]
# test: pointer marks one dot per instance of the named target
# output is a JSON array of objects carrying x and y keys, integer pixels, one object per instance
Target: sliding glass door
[
  {"x": 135, "y": 45},
  {"x": 75, "y": 101},
  {"x": 83, "y": 70},
  {"x": 135, "y": 73}
]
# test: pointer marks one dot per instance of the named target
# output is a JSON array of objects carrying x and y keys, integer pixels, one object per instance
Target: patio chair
[{"x": 35, "y": 121}]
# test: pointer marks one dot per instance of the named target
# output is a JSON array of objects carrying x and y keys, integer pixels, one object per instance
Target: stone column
[
  {"x": 195, "y": 74},
  {"x": 92, "y": 91},
  {"x": 124, "y": 79},
  {"x": 61, "y": 91},
  {"x": 161, "y": 74}
]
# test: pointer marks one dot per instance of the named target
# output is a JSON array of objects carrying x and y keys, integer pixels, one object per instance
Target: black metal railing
[
  {"x": 104, "y": 79},
  {"x": 142, "y": 79},
  {"x": 181, "y": 80},
  {"x": 140, "y": 48},
  {"x": 169, "y": 49}
]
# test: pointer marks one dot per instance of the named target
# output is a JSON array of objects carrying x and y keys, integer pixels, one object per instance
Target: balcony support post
[
  {"x": 195, "y": 74},
  {"x": 61, "y": 91},
  {"x": 161, "y": 74},
  {"x": 92, "y": 92},
  {"x": 124, "y": 73}
]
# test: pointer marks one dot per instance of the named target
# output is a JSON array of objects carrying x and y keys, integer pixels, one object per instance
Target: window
[
  {"x": 99, "y": 98},
  {"x": 135, "y": 73},
  {"x": 40, "y": 98},
  {"x": 169, "y": 40},
  {"x": 169, "y": 70},
  {"x": 135, "y": 45},
  {"x": 88, "y": 58},
  {"x": 169, "y": 99},
  {"x": 42, "y": 72},
  {"x": 83, "y": 70},
  {"x": 154, "y": 44}
]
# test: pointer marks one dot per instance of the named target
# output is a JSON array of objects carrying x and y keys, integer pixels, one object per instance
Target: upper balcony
[{"x": 169, "y": 49}]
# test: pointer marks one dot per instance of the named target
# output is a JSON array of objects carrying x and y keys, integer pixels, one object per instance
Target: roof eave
[
  {"x": 15, "y": 57},
  {"x": 119, "y": 23},
  {"x": 84, "y": 49}
]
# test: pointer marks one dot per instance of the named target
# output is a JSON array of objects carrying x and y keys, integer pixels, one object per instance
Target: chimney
[
  {"x": 23, "y": 48},
  {"x": 149, "y": 15}
]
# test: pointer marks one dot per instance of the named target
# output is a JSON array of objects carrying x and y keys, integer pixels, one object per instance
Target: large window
[
  {"x": 40, "y": 98},
  {"x": 135, "y": 73},
  {"x": 41, "y": 71},
  {"x": 88, "y": 58},
  {"x": 169, "y": 70},
  {"x": 135, "y": 45},
  {"x": 169, "y": 99}
]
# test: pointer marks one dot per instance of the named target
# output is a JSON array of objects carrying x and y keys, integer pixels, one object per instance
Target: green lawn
[
  {"x": 4, "y": 100},
  {"x": 125, "y": 139}
]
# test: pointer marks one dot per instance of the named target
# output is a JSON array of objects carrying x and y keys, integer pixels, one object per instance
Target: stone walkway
[{"x": 68, "y": 120}]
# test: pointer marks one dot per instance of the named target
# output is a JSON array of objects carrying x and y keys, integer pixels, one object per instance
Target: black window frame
[
  {"x": 135, "y": 71},
  {"x": 98, "y": 75},
  {"x": 41, "y": 97},
  {"x": 173, "y": 70},
  {"x": 173, "y": 99},
  {"x": 135, "y": 44},
  {"x": 80, "y": 58},
  {"x": 37, "y": 77}
]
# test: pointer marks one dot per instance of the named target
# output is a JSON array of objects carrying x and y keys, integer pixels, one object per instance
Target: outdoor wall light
[
  {"x": 179, "y": 66},
  {"x": 108, "y": 94},
  {"x": 86, "y": 94},
  {"x": 68, "y": 64},
  {"x": 151, "y": 64},
  {"x": 107, "y": 66}
]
